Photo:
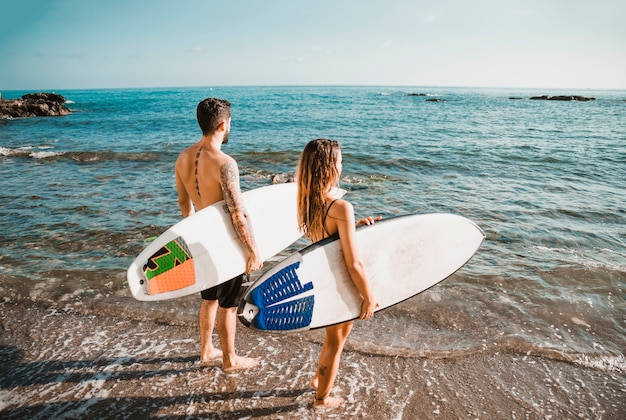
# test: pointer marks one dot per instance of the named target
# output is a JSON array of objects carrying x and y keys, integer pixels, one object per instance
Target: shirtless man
[{"x": 204, "y": 176}]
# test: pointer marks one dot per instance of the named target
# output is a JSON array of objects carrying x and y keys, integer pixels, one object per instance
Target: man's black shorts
[{"x": 228, "y": 294}]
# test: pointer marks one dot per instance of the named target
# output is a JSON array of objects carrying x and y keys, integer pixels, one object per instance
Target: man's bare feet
[
  {"x": 328, "y": 402},
  {"x": 240, "y": 363},
  {"x": 212, "y": 359}
]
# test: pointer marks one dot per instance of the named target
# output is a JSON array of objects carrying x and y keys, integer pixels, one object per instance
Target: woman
[{"x": 321, "y": 216}]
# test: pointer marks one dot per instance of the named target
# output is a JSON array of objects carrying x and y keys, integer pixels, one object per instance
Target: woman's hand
[
  {"x": 368, "y": 220},
  {"x": 367, "y": 308}
]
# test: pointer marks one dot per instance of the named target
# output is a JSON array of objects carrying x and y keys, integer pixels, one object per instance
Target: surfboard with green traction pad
[{"x": 203, "y": 250}]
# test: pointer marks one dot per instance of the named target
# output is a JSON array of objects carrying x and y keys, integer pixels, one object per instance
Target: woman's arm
[{"x": 346, "y": 229}]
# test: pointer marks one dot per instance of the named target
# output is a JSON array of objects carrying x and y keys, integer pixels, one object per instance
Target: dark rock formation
[
  {"x": 44, "y": 96},
  {"x": 563, "y": 98},
  {"x": 417, "y": 94},
  {"x": 34, "y": 105},
  {"x": 435, "y": 100},
  {"x": 282, "y": 178}
]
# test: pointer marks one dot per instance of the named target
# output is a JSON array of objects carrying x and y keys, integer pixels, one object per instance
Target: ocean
[{"x": 83, "y": 194}]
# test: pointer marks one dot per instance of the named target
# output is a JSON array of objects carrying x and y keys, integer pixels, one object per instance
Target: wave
[
  {"x": 603, "y": 360},
  {"x": 22, "y": 151},
  {"x": 283, "y": 161},
  {"x": 606, "y": 363},
  {"x": 584, "y": 259},
  {"x": 43, "y": 153}
]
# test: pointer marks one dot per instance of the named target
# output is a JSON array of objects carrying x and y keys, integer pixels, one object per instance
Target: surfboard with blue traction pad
[{"x": 403, "y": 256}]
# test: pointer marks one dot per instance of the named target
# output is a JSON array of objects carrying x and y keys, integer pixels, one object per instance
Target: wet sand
[{"x": 58, "y": 364}]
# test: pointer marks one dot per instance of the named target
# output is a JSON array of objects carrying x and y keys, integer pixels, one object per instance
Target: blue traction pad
[{"x": 282, "y": 285}]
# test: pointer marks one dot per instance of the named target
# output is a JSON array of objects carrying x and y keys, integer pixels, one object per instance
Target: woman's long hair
[{"x": 317, "y": 174}]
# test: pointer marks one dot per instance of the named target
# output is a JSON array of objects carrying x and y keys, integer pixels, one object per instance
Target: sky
[{"x": 90, "y": 44}]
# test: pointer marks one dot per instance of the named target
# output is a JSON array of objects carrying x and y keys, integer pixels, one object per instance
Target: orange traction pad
[{"x": 179, "y": 277}]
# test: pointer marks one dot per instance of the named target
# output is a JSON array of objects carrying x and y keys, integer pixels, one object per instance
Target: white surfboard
[
  {"x": 203, "y": 250},
  {"x": 403, "y": 256}
]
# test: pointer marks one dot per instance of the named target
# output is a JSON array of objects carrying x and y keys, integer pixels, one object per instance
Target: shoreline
[{"x": 67, "y": 365}]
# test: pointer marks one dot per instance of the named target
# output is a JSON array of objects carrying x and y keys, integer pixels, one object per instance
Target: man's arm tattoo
[{"x": 229, "y": 180}]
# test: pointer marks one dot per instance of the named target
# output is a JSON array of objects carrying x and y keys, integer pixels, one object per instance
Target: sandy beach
[{"x": 67, "y": 365}]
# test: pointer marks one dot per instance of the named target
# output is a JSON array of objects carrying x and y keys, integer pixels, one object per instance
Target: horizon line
[{"x": 308, "y": 86}]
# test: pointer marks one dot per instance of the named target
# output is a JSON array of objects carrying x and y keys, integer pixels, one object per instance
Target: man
[{"x": 204, "y": 176}]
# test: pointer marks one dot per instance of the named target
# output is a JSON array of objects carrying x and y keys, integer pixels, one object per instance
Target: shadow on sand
[{"x": 14, "y": 374}]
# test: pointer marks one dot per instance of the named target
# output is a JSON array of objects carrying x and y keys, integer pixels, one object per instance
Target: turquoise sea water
[{"x": 544, "y": 179}]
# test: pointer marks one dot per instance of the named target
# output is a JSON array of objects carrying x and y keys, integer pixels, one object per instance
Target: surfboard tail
[{"x": 274, "y": 305}]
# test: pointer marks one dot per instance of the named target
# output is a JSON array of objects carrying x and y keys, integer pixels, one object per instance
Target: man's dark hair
[{"x": 211, "y": 112}]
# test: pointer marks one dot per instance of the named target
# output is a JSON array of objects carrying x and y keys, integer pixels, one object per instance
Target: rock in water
[{"x": 34, "y": 105}]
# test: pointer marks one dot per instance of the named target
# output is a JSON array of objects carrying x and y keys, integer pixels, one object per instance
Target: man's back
[{"x": 199, "y": 168}]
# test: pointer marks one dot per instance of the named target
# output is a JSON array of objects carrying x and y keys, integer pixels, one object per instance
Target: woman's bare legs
[{"x": 328, "y": 366}]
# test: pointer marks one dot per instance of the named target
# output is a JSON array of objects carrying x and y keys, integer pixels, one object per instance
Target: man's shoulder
[
  {"x": 182, "y": 158},
  {"x": 186, "y": 151},
  {"x": 227, "y": 160}
]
